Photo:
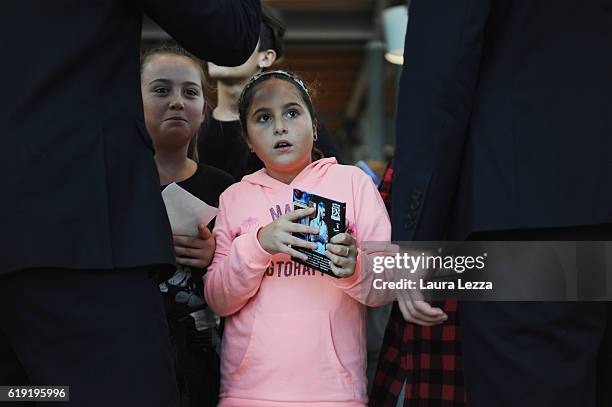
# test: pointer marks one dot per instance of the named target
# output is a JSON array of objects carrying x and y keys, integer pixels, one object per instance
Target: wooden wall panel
[{"x": 332, "y": 72}]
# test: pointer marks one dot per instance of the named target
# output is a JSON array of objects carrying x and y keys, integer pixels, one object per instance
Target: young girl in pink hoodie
[{"x": 293, "y": 335}]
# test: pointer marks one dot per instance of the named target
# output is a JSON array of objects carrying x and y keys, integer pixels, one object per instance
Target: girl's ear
[
  {"x": 315, "y": 135},
  {"x": 266, "y": 58}
]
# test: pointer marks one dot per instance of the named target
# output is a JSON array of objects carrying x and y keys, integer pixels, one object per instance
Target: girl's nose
[
  {"x": 177, "y": 104},
  {"x": 280, "y": 129}
]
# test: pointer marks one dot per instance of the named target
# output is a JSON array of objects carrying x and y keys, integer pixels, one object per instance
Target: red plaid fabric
[
  {"x": 428, "y": 359},
  {"x": 385, "y": 186}
]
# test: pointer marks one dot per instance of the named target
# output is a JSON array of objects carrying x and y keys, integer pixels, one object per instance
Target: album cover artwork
[{"x": 329, "y": 217}]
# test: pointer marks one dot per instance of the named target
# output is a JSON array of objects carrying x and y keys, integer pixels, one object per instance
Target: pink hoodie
[{"x": 293, "y": 336}]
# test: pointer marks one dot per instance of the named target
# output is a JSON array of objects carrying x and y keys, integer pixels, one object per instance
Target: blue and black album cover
[{"x": 329, "y": 218}]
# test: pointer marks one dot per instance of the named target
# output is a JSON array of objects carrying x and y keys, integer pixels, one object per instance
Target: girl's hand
[
  {"x": 276, "y": 237},
  {"x": 342, "y": 253},
  {"x": 195, "y": 251}
]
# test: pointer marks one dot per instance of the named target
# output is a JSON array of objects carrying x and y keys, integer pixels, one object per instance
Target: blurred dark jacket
[
  {"x": 504, "y": 117},
  {"x": 81, "y": 188}
]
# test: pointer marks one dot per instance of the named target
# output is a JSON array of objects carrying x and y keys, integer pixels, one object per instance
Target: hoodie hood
[{"x": 313, "y": 172}]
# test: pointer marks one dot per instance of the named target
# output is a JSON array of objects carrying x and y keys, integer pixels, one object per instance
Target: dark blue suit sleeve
[
  {"x": 221, "y": 31},
  {"x": 442, "y": 56}
]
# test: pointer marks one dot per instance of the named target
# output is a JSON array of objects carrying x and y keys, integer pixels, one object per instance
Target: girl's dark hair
[
  {"x": 167, "y": 49},
  {"x": 272, "y": 32},
  {"x": 246, "y": 98}
]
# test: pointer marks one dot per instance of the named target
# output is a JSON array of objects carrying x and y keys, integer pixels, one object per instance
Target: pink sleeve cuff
[{"x": 248, "y": 247}]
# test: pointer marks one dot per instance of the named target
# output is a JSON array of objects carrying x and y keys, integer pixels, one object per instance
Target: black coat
[
  {"x": 80, "y": 187},
  {"x": 505, "y": 117}
]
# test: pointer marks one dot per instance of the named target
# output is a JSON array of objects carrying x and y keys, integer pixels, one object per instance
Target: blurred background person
[
  {"x": 221, "y": 142},
  {"x": 491, "y": 111}
]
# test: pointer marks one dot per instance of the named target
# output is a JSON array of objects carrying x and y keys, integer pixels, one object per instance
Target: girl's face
[
  {"x": 279, "y": 128},
  {"x": 173, "y": 100}
]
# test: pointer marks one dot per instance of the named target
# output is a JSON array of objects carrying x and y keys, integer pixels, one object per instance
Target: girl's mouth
[
  {"x": 282, "y": 146},
  {"x": 176, "y": 118}
]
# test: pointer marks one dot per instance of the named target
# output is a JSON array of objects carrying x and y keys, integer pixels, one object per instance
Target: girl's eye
[
  {"x": 263, "y": 118},
  {"x": 192, "y": 92},
  {"x": 293, "y": 113},
  {"x": 160, "y": 90}
]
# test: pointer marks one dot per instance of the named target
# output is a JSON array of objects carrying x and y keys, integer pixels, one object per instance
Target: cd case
[{"x": 329, "y": 217}]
